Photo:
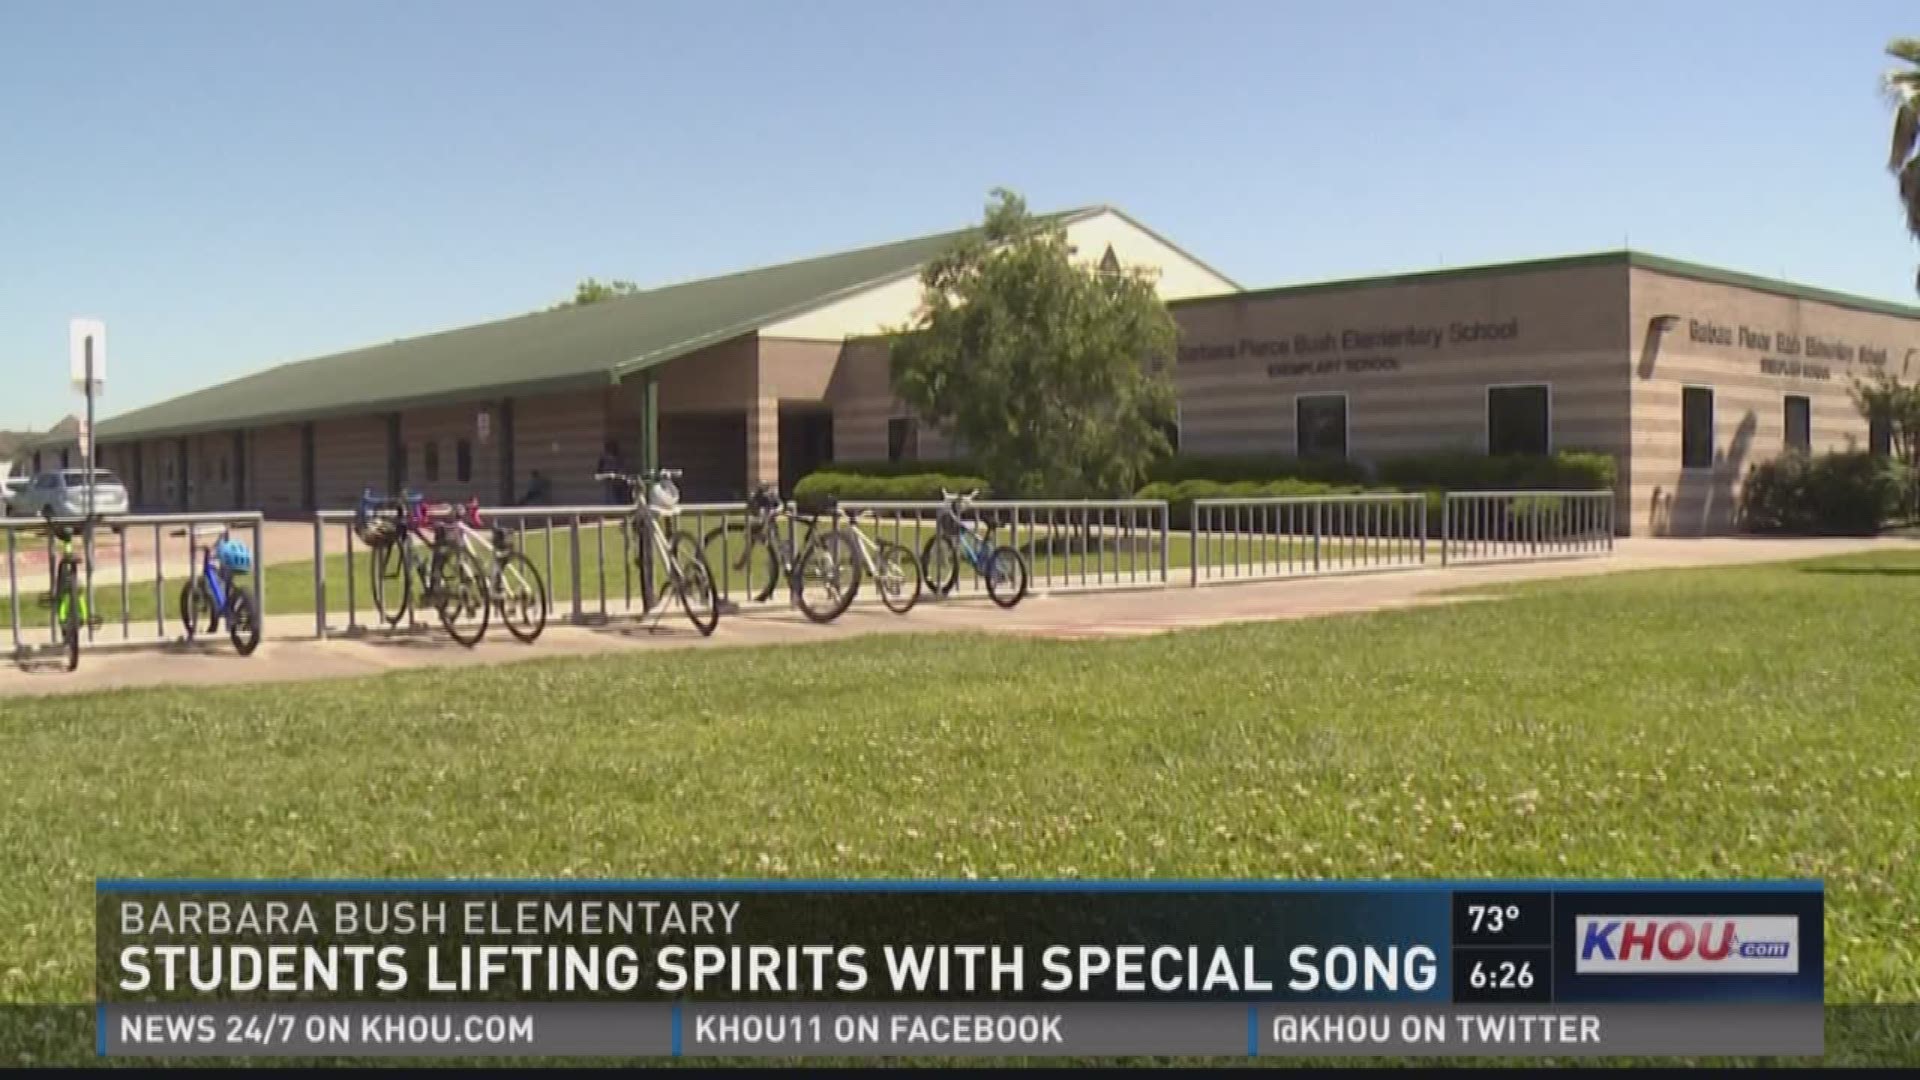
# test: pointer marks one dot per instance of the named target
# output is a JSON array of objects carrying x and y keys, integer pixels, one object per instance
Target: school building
[{"x": 1687, "y": 374}]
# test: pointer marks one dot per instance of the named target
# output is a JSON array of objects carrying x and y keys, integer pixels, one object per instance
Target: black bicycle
[
  {"x": 823, "y": 569},
  {"x": 764, "y": 547},
  {"x": 417, "y": 552},
  {"x": 68, "y": 601}
]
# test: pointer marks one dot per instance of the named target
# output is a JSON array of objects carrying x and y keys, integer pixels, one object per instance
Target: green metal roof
[
  {"x": 547, "y": 351},
  {"x": 1639, "y": 260}
]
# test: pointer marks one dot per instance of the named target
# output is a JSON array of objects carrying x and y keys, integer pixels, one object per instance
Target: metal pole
[
  {"x": 126, "y": 606},
  {"x": 1193, "y": 541},
  {"x": 1421, "y": 506},
  {"x": 320, "y": 576},
  {"x": 260, "y": 577},
  {"x": 13, "y": 588},
  {"x": 1446, "y": 524},
  {"x": 573, "y": 553},
  {"x": 159, "y": 587},
  {"x": 353, "y": 602}
]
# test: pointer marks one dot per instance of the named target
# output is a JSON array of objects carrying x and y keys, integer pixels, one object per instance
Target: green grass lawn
[{"x": 1745, "y": 722}]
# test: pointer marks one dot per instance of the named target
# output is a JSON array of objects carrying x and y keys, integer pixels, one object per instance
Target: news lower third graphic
[{"x": 796, "y": 969}]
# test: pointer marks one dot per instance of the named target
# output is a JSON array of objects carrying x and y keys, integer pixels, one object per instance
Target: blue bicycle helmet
[{"x": 234, "y": 555}]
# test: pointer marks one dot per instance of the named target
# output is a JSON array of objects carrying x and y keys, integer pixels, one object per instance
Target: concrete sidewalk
[{"x": 291, "y": 651}]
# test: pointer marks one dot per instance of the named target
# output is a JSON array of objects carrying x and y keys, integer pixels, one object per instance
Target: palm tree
[{"x": 1903, "y": 88}]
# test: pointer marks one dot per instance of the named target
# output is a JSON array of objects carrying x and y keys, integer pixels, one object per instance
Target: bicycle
[
  {"x": 514, "y": 586},
  {"x": 215, "y": 593},
  {"x": 764, "y": 542},
  {"x": 450, "y": 580},
  {"x": 894, "y": 570},
  {"x": 1003, "y": 568},
  {"x": 68, "y": 600},
  {"x": 687, "y": 572},
  {"x": 780, "y": 542}
]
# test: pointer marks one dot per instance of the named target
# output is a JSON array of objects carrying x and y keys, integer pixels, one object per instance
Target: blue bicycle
[
  {"x": 214, "y": 595},
  {"x": 955, "y": 539}
]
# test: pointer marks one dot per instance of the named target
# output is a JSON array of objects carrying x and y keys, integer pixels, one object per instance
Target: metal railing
[
  {"x": 586, "y": 556},
  {"x": 132, "y": 591},
  {"x": 1262, "y": 538},
  {"x": 1508, "y": 526},
  {"x": 1069, "y": 545}
]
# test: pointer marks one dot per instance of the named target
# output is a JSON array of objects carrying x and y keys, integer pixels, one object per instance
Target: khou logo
[{"x": 1703, "y": 944}]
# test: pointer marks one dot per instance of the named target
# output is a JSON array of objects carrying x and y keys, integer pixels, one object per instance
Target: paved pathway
[{"x": 291, "y": 652}]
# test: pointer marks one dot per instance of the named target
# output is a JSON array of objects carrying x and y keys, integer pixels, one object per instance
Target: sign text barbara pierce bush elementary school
[
  {"x": 980, "y": 968},
  {"x": 1328, "y": 351}
]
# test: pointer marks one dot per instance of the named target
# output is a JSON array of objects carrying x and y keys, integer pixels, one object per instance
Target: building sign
[
  {"x": 1350, "y": 350},
  {"x": 1794, "y": 356}
]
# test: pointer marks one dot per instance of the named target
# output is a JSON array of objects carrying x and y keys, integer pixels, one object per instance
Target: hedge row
[
  {"x": 1835, "y": 494},
  {"x": 815, "y": 489},
  {"x": 1258, "y": 468},
  {"x": 1568, "y": 470},
  {"x": 1180, "y": 495},
  {"x": 1449, "y": 471}
]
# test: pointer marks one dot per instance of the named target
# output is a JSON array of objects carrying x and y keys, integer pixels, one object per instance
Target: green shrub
[
  {"x": 815, "y": 489},
  {"x": 1568, "y": 470},
  {"x": 1838, "y": 494},
  {"x": 918, "y": 467},
  {"x": 1180, "y": 495},
  {"x": 1231, "y": 468}
]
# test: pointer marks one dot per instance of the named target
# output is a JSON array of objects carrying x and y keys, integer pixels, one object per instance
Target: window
[
  {"x": 1696, "y": 428},
  {"x": 463, "y": 461},
  {"x": 1519, "y": 420},
  {"x": 1799, "y": 423},
  {"x": 903, "y": 439},
  {"x": 1880, "y": 435},
  {"x": 430, "y": 462},
  {"x": 1320, "y": 425}
]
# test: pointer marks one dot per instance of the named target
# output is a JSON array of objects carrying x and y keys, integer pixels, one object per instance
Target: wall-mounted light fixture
[{"x": 1664, "y": 323}]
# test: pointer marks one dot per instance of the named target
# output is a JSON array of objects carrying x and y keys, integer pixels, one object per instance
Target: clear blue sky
[{"x": 232, "y": 185}]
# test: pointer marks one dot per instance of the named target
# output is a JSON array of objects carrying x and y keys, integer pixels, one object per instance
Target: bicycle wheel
[
  {"x": 195, "y": 603},
  {"x": 898, "y": 578},
  {"x": 940, "y": 565},
  {"x": 1006, "y": 576},
  {"x": 459, "y": 591},
  {"x": 746, "y": 560},
  {"x": 827, "y": 577},
  {"x": 694, "y": 582},
  {"x": 243, "y": 621},
  {"x": 69, "y": 611},
  {"x": 392, "y": 582},
  {"x": 521, "y": 596}
]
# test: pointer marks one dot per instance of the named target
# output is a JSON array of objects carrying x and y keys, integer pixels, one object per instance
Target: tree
[
  {"x": 1049, "y": 372},
  {"x": 1903, "y": 89},
  {"x": 593, "y": 290},
  {"x": 1892, "y": 405}
]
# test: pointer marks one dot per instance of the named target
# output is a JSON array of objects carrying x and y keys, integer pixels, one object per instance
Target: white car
[
  {"x": 65, "y": 490},
  {"x": 10, "y": 486}
]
